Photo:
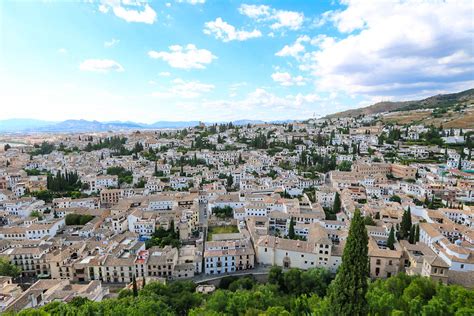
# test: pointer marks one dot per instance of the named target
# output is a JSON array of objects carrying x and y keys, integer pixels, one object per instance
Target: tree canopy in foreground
[{"x": 398, "y": 295}]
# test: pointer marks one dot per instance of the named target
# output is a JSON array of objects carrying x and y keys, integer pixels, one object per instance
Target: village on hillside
[{"x": 87, "y": 214}]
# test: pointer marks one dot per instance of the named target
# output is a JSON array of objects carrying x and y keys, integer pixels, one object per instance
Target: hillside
[
  {"x": 437, "y": 101},
  {"x": 463, "y": 118}
]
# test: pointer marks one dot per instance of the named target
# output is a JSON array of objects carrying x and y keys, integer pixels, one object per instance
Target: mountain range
[
  {"x": 40, "y": 126},
  {"x": 437, "y": 101}
]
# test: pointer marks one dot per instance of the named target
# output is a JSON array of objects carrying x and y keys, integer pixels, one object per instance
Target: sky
[{"x": 216, "y": 60}]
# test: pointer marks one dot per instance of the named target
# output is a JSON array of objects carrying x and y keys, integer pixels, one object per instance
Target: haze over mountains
[{"x": 32, "y": 125}]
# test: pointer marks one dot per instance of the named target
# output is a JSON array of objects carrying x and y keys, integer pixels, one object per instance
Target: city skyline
[{"x": 213, "y": 61}]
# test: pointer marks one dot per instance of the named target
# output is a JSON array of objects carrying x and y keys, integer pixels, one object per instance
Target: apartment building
[
  {"x": 110, "y": 197},
  {"x": 403, "y": 171},
  {"x": 225, "y": 256}
]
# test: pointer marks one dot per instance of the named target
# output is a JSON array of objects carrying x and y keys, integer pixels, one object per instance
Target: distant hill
[
  {"x": 437, "y": 101},
  {"x": 74, "y": 126},
  {"x": 21, "y": 124}
]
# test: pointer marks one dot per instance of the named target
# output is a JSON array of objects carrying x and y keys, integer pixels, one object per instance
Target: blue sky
[{"x": 222, "y": 60}]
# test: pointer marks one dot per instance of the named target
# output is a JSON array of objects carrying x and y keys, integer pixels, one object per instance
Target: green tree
[
  {"x": 391, "y": 239},
  {"x": 406, "y": 224},
  {"x": 291, "y": 229},
  {"x": 315, "y": 280},
  {"x": 230, "y": 180},
  {"x": 275, "y": 276},
  {"x": 336, "y": 208},
  {"x": 36, "y": 214},
  {"x": 417, "y": 233},
  {"x": 369, "y": 221},
  {"x": 411, "y": 238},
  {"x": 8, "y": 269},
  {"x": 347, "y": 292},
  {"x": 292, "y": 280},
  {"x": 135, "y": 287},
  {"x": 395, "y": 198}
]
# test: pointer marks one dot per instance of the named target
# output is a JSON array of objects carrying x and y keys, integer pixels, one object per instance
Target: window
[{"x": 377, "y": 263}]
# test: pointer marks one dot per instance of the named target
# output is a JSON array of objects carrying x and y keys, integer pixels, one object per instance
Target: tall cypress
[
  {"x": 291, "y": 229},
  {"x": 135, "y": 287},
  {"x": 405, "y": 226},
  {"x": 411, "y": 239},
  {"x": 337, "y": 203},
  {"x": 391, "y": 239},
  {"x": 417, "y": 233},
  {"x": 347, "y": 292}
]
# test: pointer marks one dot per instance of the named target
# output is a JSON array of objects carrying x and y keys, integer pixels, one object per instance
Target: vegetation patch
[{"x": 228, "y": 229}]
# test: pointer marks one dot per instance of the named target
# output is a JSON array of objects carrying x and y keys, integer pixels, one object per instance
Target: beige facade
[{"x": 403, "y": 172}]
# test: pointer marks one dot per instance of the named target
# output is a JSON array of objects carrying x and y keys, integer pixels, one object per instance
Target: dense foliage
[
  {"x": 43, "y": 149},
  {"x": 290, "y": 293},
  {"x": 8, "y": 269},
  {"x": 61, "y": 182},
  {"x": 77, "y": 219},
  {"x": 223, "y": 212},
  {"x": 114, "y": 143},
  {"x": 123, "y": 174},
  {"x": 163, "y": 237}
]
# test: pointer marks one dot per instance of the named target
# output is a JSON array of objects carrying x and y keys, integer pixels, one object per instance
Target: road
[{"x": 258, "y": 270}]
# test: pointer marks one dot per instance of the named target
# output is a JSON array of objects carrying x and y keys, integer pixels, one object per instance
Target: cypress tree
[
  {"x": 391, "y": 239},
  {"x": 347, "y": 292},
  {"x": 411, "y": 239},
  {"x": 135, "y": 288},
  {"x": 291, "y": 229},
  {"x": 405, "y": 226},
  {"x": 417, "y": 233},
  {"x": 337, "y": 203}
]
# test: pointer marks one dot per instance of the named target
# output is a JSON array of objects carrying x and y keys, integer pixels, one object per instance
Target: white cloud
[
  {"x": 395, "y": 48},
  {"x": 130, "y": 10},
  {"x": 323, "y": 19},
  {"x": 290, "y": 19},
  {"x": 111, "y": 43},
  {"x": 254, "y": 11},
  {"x": 62, "y": 51},
  {"x": 285, "y": 79},
  {"x": 294, "y": 49},
  {"x": 188, "y": 57},
  {"x": 165, "y": 74},
  {"x": 226, "y": 32},
  {"x": 193, "y": 2},
  {"x": 262, "y": 104},
  {"x": 281, "y": 18},
  {"x": 100, "y": 65},
  {"x": 185, "y": 89}
]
